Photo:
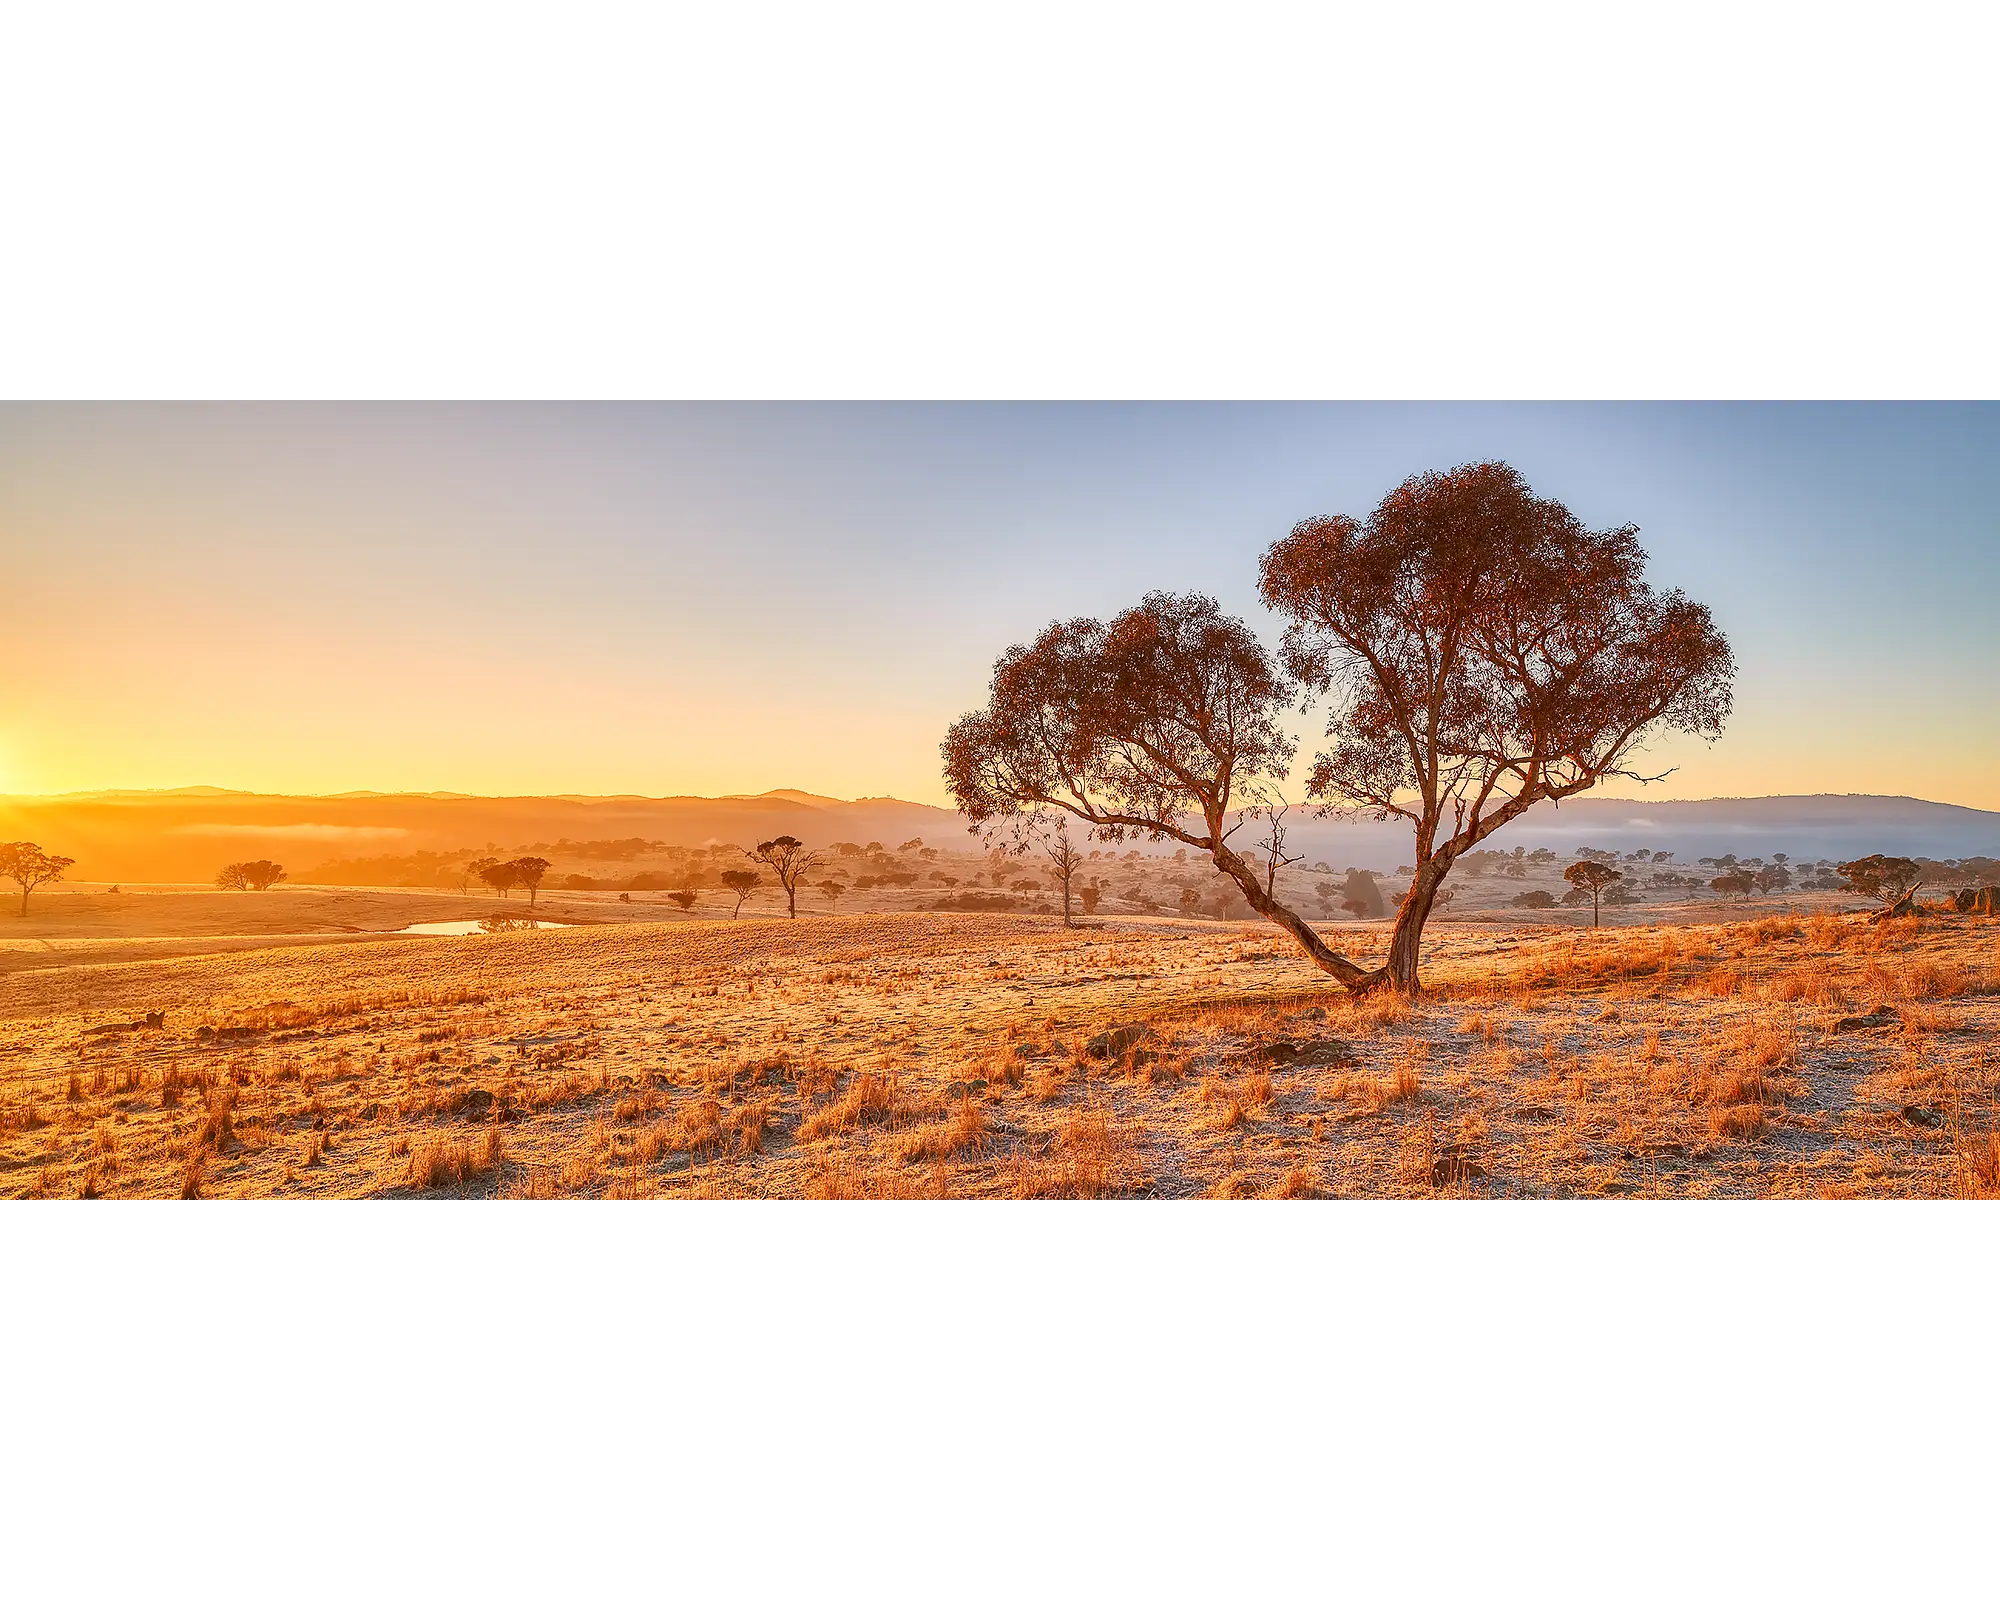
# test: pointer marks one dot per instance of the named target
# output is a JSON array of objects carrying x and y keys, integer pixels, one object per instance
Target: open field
[{"x": 1811, "y": 1053}]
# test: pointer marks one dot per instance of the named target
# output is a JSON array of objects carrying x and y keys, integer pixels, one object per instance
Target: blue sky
[{"x": 698, "y": 598}]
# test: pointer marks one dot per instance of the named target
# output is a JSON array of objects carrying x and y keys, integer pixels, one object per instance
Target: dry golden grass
[
  {"x": 445, "y": 1162},
  {"x": 945, "y": 1056}
]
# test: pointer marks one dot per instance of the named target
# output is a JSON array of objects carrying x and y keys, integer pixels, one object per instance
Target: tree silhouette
[
  {"x": 1361, "y": 894},
  {"x": 1063, "y": 862},
  {"x": 30, "y": 866},
  {"x": 500, "y": 878},
  {"x": 481, "y": 867},
  {"x": 1734, "y": 882},
  {"x": 1190, "y": 902},
  {"x": 249, "y": 875},
  {"x": 684, "y": 898},
  {"x": 742, "y": 883},
  {"x": 831, "y": 890},
  {"x": 528, "y": 871},
  {"x": 1087, "y": 897},
  {"x": 1889, "y": 879},
  {"x": 1482, "y": 651},
  {"x": 1593, "y": 877},
  {"x": 789, "y": 859},
  {"x": 1773, "y": 878}
]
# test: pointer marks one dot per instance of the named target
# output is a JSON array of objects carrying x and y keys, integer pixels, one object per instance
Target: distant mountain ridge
[{"x": 185, "y": 834}]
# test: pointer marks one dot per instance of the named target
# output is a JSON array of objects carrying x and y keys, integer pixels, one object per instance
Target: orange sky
[{"x": 727, "y": 599}]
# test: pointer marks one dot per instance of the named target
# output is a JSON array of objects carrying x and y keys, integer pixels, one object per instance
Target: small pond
[{"x": 482, "y": 925}]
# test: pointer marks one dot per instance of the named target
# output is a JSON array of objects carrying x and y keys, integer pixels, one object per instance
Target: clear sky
[{"x": 708, "y": 599}]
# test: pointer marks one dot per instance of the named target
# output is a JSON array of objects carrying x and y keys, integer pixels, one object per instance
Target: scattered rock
[
  {"x": 1922, "y": 1116},
  {"x": 1454, "y": 1166},
  {"x": 1278, "y": 1051},
  {"x": 1115, "y": 1041},
  {"x": 1880, "y": 1017},
  {"x": 478, "y": 1102},
  {"x": 1984, "y": 899}
]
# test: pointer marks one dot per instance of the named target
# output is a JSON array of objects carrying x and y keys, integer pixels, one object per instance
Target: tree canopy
[
  {"x": 789, "y": 859},
  {"x": 1878, "y": 877},
  {"x": 30, "y": 866},
  {"x": 1478, "y": 649},
  {"x": 1592, "y": 878}
]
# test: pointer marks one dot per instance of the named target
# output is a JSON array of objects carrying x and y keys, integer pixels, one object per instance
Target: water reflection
[{"x": 482, "y": 925}]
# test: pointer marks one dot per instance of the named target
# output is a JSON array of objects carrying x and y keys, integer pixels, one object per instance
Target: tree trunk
[
  {"x": 1406, "y": 944},
  {"x": 1331, "y": 962},
  {"x": 1066, "y": 922},
  {"x": 1593, "y": 911},
  {"x": 792, "y": 901}
]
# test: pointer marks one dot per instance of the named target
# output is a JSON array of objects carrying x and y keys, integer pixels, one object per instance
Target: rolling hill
[{"x": 184, "y": 835}]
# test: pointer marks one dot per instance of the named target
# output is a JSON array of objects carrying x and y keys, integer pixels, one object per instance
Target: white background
[{"x": 1037, "y": 200}]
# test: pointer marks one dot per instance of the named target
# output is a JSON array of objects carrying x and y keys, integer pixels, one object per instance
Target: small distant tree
[
  {"x": 1889, "y": 879},
  {"x": 1771, "y": 879},
  {"x": 499, "y": 877},
  {"x": 831, "y": 890},
  {"x": 742, "y": 883},
  {"x": 1362, "y": 895},
  {"x": 528, "y": 871},
  {"x": 1535, "y": 900},
  {"x": 1734, "y": 882},
  {"x": 1089, "y": 895},
  {"x": 478, "y": 867},
  {"x": 1593, "y": 877},
  {"x": 1190, "y": 902},
  {"x": 789, "y": 859},
  {"x": 31, "y": 866},
  {"x": 249, "y": 875},
  {"x": 684, "y": 898},
  {"x": 1063, "y": 862}
]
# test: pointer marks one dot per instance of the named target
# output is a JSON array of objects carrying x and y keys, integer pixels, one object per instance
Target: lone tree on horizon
[
  {"x": 831, "y": 889},
  {"x": 789, "y": 859},
  {"x": 250, "y": 875},
  {"x": 528, "y": 872},
  {"x": 1480, "y": 650},
  {"x": 499, "y": 877},
  {"x": 31, "y": 866},
  {"x": 741, "y": 882},
  {"x": 1063, "y": 862},
  {"x": 1593, "y": 878}
]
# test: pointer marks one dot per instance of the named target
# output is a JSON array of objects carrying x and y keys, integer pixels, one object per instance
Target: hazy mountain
[
  {"x": 186, "y": 834},
  {"x": 183, "y": 835}
]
